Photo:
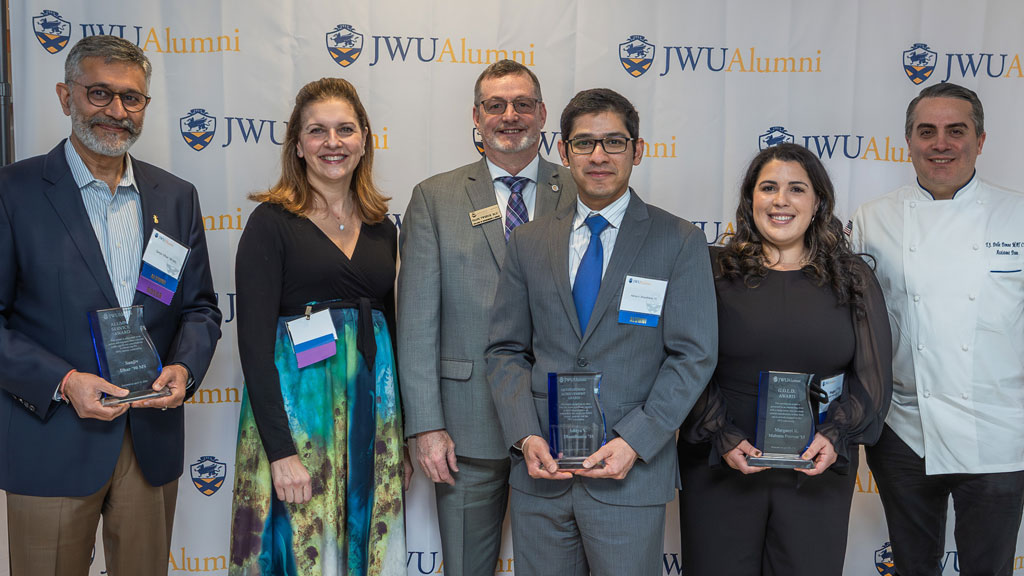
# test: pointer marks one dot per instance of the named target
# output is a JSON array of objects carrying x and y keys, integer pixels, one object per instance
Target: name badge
[
  {"x": 313, "y": 338},
  {"x": 483, "y": 215},
  {"x": 832, "y": 387},
  {"x": 162, "y": 263},
  {"x": 642, "y": 300}
]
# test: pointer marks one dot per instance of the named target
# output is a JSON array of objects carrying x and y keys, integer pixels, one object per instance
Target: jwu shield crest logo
[
  {"x": 773, "y": 137},
  {"x": 52, "y": 31},
  {"x": 478, "y": 141},
  {"x": 208, "y": 474},
  {"x": 636, "y": 55},
  {"x": 197, "y": 128},
  {"x": 344, "y": 44},
  {"x": 919, "y": 62},
  {"x": 883, "y": 561}
]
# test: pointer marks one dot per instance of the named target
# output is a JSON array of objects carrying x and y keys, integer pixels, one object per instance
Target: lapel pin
[
  {"x": 554, "y": 187},
  {"x": 155, "y": 219}
]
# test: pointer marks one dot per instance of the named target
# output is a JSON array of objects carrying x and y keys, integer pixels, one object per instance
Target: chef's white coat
[{"x": 953, "y": 276}]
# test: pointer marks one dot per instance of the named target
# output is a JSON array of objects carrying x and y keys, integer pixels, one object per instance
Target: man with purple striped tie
[
  {"x": 607, "y": 285},
  {"x": 453, "y": 242}
]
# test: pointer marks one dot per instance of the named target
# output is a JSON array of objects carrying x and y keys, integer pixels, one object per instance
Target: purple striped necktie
[{"x": 515, "y": 213}]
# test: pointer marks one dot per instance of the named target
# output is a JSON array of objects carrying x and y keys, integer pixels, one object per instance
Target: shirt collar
[
  {"x": 529, "y": 172},
  {"x": 961, "y": 192},
  {"x": 84, "y": 177},
  {"x": 613, "y": 212}
]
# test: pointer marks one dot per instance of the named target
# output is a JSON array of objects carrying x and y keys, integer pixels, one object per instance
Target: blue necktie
[
  {"x": 588, "y": 276},
  {"x": 515, "y": 213}
]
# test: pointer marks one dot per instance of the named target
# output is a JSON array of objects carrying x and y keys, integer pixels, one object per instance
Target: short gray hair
[
  {"x": 110, "y": 49},
  {"x": 948, "y": 90}
]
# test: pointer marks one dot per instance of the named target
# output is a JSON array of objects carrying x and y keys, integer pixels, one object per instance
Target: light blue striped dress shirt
[{"x": 117, "y": 221}]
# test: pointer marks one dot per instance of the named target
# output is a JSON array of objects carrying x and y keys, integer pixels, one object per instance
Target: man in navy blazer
[{"x": 74, "y": 225}]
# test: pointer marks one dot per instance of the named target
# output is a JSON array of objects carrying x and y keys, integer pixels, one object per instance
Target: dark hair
[
  {"x": 293, "y": 190},
  {"x": 503, "y": 68},
  {"x": 110, "y": 49},
  {"x": 947, "y": 90},
  {"x": 598, "y": 100},
  {"x": 829, "y": 261}
]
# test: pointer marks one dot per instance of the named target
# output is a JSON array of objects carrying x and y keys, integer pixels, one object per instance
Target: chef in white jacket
[{"x": 950, "y": 259}]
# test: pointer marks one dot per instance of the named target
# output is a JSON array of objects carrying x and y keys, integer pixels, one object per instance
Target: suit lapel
[
  {"x": 156, "y": 213},
  {"x": 549, "y": 189},
  {"x": 481, "y": 195},
  {"x": 636, "y": 223},
  {"x": 558, "y": 259},
  {"x": 66, "y": 199}
]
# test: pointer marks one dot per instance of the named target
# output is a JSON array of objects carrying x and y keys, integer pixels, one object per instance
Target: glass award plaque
[
  {"x": 785, "y": 420},
  {"x": 575, "y": 418},
  {"x": 125, "y": 353}
]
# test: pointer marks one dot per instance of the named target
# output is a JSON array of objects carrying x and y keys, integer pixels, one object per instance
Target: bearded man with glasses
[
  {"x": 452, "y": 248},
  {"x": 75, "y": 228}
]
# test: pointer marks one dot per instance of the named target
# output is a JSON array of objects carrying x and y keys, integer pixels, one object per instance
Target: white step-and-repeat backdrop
[{"x": 713, "y": 81}]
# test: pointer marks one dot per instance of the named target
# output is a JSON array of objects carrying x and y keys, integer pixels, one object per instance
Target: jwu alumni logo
[
  {"x": 919, "y": 62},
  {"x": 773, "y": 137},
  {"x": 197, "y": 128},
  {"x": 208, "y": 474},
  {"x": 344, "y": 44},
  {"x": 52, "y": 31},
  {"x": 883, "y": 561},
  {"x": 636, "y": 55}
]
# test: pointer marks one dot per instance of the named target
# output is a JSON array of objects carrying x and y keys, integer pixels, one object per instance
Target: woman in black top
[
  {"x": 319, "y": 467},
  {"x": 791, "y": 297}
]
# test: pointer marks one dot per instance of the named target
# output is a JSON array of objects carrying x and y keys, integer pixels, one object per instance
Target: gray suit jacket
[
  {"x": 651, "y": 375},
  {"x": 446, "y": 283}
]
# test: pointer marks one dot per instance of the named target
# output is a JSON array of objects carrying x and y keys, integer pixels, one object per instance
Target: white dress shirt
[
  {"x": 953, "y": 276},
  {"x": 579, "y": 239}
]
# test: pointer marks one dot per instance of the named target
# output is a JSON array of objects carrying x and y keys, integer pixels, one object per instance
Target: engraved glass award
[
  {"x": 125, "y": 353},
  {"x": 575, "y": 418},
  {"x": 785, "y": 420}
]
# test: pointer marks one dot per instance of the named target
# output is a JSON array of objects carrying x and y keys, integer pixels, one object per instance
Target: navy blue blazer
[{"x": 52, "y": 274}]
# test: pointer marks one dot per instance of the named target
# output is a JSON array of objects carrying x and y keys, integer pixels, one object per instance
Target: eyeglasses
[
  {"x": 496, "y": 106},
  {"x": 611, "y": 145},
  {"x": 101, "y": 96}
]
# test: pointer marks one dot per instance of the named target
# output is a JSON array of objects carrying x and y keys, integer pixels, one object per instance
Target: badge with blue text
[
  {"x": 313, "y": 337},
  {"x": 162, "y": 263},
  {"x": 642, "y": 300},
  {"x": 833, "y": 388}
]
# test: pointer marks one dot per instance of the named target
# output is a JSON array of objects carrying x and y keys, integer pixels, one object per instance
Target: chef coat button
[
  {"x": 913, "y": 247},
  {"x": 920, "y": 346},
  {"x": 965, "y": 395},
  {"x": 917, "y": 298},
  {"x": 927, "y": 394},
  {"x": 913, "y": 204},
  {"x": 971, "y": 297},
  {"x": 976, "y": 247},
  {"x": 965, "y": 347}
]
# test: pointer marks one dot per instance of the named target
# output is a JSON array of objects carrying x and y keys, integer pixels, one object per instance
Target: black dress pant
[
  {"x": 987, "y": 508},
  {"x": 774, "y": 523}
]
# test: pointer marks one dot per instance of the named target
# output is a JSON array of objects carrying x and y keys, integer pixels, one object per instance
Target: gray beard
[{"x": 82, "y": 129}]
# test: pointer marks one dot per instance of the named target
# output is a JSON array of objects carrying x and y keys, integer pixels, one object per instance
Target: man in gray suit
[
  {"x": 452, "y": 244},
  {"x": 558, "y": 310}
]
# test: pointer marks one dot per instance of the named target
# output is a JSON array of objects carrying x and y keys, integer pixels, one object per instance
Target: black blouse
[{"x": 284, "y": 262}]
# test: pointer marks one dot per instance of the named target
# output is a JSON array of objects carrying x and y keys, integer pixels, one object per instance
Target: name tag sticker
[
  {"x": 642, "y": 301},
  {"x": 483, "y": 215},
  {"x": 162, "y": 264},
  {"x": 832, "y": 387},
  {"x": 313, "y": 338}
]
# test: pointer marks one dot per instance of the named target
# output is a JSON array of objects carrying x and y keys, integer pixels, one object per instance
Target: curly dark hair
[{"x": 830, "y": 259}]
